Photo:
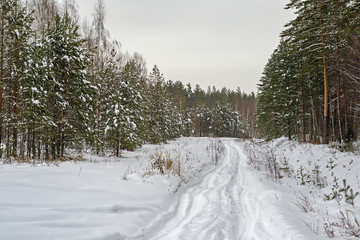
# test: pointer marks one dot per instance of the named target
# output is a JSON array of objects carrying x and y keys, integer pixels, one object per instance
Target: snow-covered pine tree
[
  {"x": 179, "y": 97},
  {"x": 70, "y": 95},
  {"x": 279, "y": 100},
  {"x": 21, "y": 34},
  {"x": 15, "y": 36},
  {"x": 134, "y": 106},
  {"x": 164, "y": 119},
  {"x": 35, "y": 114},
  {"x": 125, "y": 109},
  {"x": 201, "y": 117}
]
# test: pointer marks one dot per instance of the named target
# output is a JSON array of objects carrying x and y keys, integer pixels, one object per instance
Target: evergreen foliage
[{"x": 310, "y": 85}]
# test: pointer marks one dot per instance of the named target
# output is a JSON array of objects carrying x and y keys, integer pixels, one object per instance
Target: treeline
[
  {"x": 64, "y": 86},
  {"x": 310, "y": 87},
  {"x": 214, "y": 113}
]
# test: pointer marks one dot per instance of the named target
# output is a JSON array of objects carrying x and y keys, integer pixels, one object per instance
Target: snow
[
  {"x": 35, "y": 101},
  {"x": 229, "y": 201},
  {"x": 79, "y": 206},
  {"x": 100, "y": 198},
  {"x": 105, "y": 198},
  {"x": 17, "y": 33},
  {"x": 34, "y": 89},
  {"x": 315, "y": 160}
]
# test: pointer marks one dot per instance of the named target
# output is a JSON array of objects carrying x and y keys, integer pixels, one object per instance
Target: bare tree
[{"x": 101, "y": 34}]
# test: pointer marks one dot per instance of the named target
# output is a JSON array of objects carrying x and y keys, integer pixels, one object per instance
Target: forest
[
  {"x": 65, "y": 84},
  {"x": 310, "y": 89}
]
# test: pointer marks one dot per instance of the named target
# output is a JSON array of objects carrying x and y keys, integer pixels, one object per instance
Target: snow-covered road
[{"x": 226, "y": 202}]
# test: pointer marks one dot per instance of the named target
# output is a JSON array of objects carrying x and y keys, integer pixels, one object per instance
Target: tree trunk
[
  {"x": 314, "y": 121},
  {"x": 28, "y": 152},
  {"x": 117, "y": 144},
  {"x": 346, "y": 114},
  {"x": 333, "y": 121},
  {"x": 289, "y": 130},
  {"x": 339, "y": 108},
  {"x": 39, "y": 149},
  {"x": 2, "y": 52},
  {"x": 58, "y": 144},
  {"x": 16, "y": 113},
  {"x": 326, "y": 86},
  {"x": 47, "y": 157},
  {"x": 62, "y": 144},
  {"x": 200, "y": 128},
  {"x": 8, "y": 149},
  {"x": 303, "y": 115},
  {"x": 34, "y": 144},
  {"x": 22, "y": 146},
  {"x": 53, "y": 149}
]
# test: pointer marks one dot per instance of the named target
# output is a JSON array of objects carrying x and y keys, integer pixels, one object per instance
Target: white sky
[{"x": 225, "y": 43}]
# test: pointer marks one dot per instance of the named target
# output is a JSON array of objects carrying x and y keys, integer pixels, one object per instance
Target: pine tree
[
  {"x": 15, "y": 35},
  {"x": 34, "y": 95},
  {"x": 317, "y": 46},
  {"x": 279, "y": 99},
  {"x": 125, "y": 106},
  {"x": 21, "y": 28},
  {"x": 164, "y": 118},
  {"x": 330, "y": 27},
  {"x": 70, "y": 95}
]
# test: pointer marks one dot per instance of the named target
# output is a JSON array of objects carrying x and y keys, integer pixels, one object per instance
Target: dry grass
[
  {"x": 215, "y": 150},
  {"x": 165, "y": 163},
  {"x": 346, "y": 224},
  {"x": 303, "y": 203},
  {"x": 350, "y": 224},
  {"x": 314, "y": 227}
]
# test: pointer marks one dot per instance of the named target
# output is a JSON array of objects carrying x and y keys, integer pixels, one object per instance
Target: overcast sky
[{"x": 225, "y": 43}]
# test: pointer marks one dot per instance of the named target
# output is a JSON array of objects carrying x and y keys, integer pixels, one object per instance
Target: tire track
[{"x": 222, "y": 205}]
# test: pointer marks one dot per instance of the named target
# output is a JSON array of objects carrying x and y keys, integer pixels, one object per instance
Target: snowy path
[{"x": 227, "y": 202}]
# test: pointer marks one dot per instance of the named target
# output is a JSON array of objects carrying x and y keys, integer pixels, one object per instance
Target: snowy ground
[
  {"x": 100, "y": 198},
  {"x": 226, "y": 202},
  {"x": 201, "y": 195},
  {"x": 309, "y": 175}
]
